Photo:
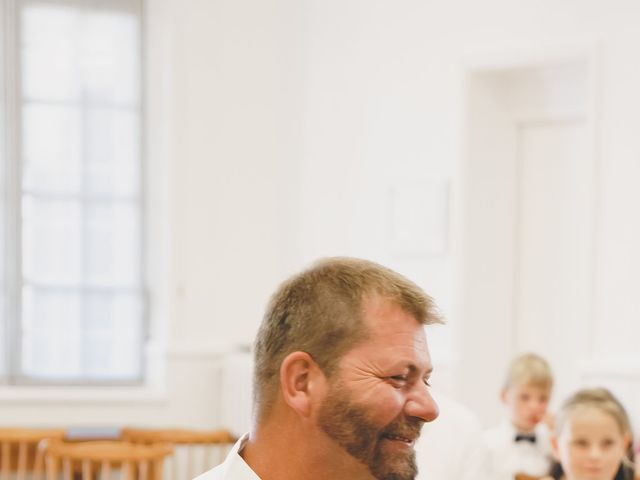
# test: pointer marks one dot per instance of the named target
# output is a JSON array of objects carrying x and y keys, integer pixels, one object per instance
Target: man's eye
[
  {"x": 426, "y": 382},
  {"x": 398, "y": 379}
]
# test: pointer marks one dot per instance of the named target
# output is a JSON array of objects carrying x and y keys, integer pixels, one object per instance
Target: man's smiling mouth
[{"x": 399, "y": 438}]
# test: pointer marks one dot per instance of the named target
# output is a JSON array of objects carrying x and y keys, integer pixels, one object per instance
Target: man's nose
[{"x": 421, "y": 404}]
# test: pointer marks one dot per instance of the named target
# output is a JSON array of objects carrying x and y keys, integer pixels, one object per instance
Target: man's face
[
  {"x": 526, "y": 405},
  {"x": 378, "y": 399}
]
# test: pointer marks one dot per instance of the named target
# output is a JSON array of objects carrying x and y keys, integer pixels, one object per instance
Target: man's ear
[{"x": 299, "y": 377}]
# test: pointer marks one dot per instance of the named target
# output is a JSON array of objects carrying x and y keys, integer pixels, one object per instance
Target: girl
[{"x": 592, "y": 438}]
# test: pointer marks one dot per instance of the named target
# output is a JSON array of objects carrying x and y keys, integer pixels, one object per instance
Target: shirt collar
[{"x": 235, "y": 466}]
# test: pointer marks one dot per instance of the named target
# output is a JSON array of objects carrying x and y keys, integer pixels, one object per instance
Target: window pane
[
  {"x": 112, "y": 245},
  {"x": 110, "y": 59},
  {"x": 112, "y": 152},
  {"x": 52, "y": 241},
  {"x": 112, "y": 335},
  {"x": 51, "y": 334},
  {"x": 69, "y": 54},
  {"x": 50, "y": 42},
  {"x": 72, "y": 336},
  {"x": 52, "y": 142}
]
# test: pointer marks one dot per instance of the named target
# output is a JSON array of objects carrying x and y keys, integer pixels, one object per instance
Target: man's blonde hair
[
  {"x": 319, "y": 311},
  {"x": 529, "y": 369}
]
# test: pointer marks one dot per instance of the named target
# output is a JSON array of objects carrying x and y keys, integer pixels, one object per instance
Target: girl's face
[{"x": 590, "y": 445}]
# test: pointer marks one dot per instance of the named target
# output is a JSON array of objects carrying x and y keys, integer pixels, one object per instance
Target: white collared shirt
[
  {"x": 234, "y": 467},
  {"x": 506, "y": 457}
]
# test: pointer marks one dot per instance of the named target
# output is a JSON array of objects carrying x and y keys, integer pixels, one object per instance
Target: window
[{"x": 72, "y": 288}]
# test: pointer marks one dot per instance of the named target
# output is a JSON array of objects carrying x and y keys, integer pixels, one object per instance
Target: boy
[{"x": 521, "y": 444}]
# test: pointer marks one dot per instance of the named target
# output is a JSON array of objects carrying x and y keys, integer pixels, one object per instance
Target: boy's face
[{"x": 526, "y": 405}]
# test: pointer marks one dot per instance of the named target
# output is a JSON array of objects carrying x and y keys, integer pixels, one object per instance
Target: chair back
[
  {"x": 194, "y": 451},
  {"x": 20, "y": 456},
  {"x": 87, "y": 460}
]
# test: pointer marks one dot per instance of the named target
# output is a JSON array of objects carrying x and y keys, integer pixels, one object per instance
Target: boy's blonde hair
[{"x": 529, "y": 369}]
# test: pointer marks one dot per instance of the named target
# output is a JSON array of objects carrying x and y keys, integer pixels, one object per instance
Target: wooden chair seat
[
  {"x": 137, "y": 462},
  {"x": 177, "y": 436},
  {"x": 195, "y": 451},
  {"x": 19, "y": 452}
]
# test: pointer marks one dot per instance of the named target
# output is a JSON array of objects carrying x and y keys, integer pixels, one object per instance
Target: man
[{"x": 341, "y": 378}]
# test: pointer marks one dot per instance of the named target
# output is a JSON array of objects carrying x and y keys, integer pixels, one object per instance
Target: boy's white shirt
[{"x": 506, "y": 457}]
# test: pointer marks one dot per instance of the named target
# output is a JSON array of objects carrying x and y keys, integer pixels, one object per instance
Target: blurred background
[{"x": 164, "y": 165}]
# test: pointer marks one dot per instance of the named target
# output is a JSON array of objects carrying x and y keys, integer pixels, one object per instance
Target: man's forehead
[
  {"x": 390, "y": 353},
  {"x": 394, "y": 336},
  {"x": 384, "y": 316}
]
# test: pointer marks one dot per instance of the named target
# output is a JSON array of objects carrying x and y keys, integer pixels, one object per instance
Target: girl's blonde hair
[
  {"x": 603, "y": 400},
  {"x": 599, "y": 398}
]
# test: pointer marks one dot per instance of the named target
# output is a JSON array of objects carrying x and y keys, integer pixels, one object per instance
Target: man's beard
[{"x": 351, "y": 427}]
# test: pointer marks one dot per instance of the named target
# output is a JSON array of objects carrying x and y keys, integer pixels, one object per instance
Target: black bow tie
[{"x": 526, "y": 437}]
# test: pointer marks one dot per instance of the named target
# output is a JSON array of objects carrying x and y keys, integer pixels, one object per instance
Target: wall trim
[
  {"x": 195, "y": 351},
  {"x": 492, "y": 58},
  {"x": 85, "y": 395},
  {"x": 618, "y": 369}
]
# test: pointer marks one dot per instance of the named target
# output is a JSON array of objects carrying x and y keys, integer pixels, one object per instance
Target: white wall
[
  {"x": 287, "y": 125},
  {"x": 234, "y": 162}
]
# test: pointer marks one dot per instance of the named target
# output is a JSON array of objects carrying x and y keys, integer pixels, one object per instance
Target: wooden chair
[
  {"x": 19, "y": 452},
  {"x": 87, "y": 459},
  {"x": 203, "y": 449}
]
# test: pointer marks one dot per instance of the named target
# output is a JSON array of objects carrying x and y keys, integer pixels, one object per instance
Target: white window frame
[{"x": 10, "y": 156}]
